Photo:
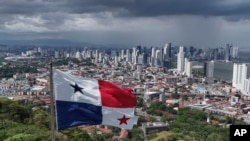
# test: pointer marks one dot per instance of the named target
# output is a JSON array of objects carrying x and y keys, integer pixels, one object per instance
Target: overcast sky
[{"x": 201, "y": 23}]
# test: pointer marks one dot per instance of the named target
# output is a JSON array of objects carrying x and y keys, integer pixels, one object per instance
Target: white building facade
[
  {"x": 188, "y": 68},
  {"x": 246, "y": 87},
  {"x": 180, "y": 60},
  {"x": 239, "y": 76},
  {"x": 209, "y": 71}
]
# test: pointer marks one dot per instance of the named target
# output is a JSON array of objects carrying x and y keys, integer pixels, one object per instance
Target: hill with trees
[{"x": 20, "y": 121}]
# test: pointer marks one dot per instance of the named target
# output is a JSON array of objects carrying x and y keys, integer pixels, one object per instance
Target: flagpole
[{"x": 52, "y": 113}]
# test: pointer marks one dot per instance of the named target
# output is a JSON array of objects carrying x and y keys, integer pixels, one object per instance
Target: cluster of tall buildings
[
  {"x": 155, "y": 57},
  {"x": 184, "y": 66},
  {"x": 227, "y": 53},
  {"x": 180, "y": 59},
  {"x": 240, "y": 80},
  {"x": 161, "y": 56}
]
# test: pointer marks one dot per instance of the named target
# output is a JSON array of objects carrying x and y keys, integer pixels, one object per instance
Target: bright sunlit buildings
[
  {"x": 240, "y": 81},
  {"x": 239, "y": 75}
]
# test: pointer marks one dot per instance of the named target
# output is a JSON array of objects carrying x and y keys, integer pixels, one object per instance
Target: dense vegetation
[
  {"x": 191, "y": 125},
  {"x": 19, "y": 122},
  {"x": 9, "y": 68},
  {"x": 70, "y": 61},
  {"x": 9, "y": 71},
  {"x": 160, "y": 109}
]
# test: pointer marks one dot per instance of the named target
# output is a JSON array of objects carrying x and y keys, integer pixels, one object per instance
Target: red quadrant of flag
[{"x": 114, "y": 96}]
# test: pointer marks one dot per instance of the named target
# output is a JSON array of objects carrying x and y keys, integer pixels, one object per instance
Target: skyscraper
[
  {"x": 191, "y": 51},
  {"x": 180, "y": 60},
  {"x": 227, "y": 52},
  {"x": 96, "y": 56},
  {"x": 100, "y": 57},
  {"x": 78, "y": 55},
  {"x": 140, "y": 59},
  {"x": 128, "y": 56},
  {"x": 234, "y": 52},
  {"x": 153, "y": 52},
  {"x": 122, "y": 54},
  {"x": 152, "y": 56},
  {"x": 239, "y": 76},
  {"x": 167, "y": 58},
  {"x": 158, "y": 58},
  {"x": 246, "y": 87},
  {"x": 134, "y": 55},
  {"x": 167, "y": 51},
  {"x": 56, "y": 54},
  {"x": 139, "y": 49},
  {"x": 188, "y": 68},
  {"x": 209, "y": 71}
]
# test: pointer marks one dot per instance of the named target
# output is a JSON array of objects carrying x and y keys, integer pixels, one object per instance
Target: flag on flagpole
[{"x": 85, "y": 101}]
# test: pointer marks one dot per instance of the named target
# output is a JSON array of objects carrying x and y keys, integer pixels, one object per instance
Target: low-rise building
[{"x": 153, "y": 127}]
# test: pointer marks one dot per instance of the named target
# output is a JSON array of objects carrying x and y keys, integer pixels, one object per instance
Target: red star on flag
[{"x": 123, "y": 120}]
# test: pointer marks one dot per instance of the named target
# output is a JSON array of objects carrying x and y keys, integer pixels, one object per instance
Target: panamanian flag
[{"x": 85, "y": 101}]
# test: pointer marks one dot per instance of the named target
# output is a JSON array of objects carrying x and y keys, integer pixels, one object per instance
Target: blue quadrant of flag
[{"x": 72, "y": 114}]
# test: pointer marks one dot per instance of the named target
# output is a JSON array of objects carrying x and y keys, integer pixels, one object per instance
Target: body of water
[{"x": 224, "y": 70}]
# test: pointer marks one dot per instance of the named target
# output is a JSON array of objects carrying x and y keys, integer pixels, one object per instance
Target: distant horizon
[{"x": 65, "y": 42}]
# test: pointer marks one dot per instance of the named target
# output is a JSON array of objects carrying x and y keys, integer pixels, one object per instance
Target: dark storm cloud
[
  {"x": 151, "y": 8},
  {"x": 25, "y": 7},
  {"x": 134, "y": 8},
  {"x": 127, "y": 21},
  {"x": 52, "y": 19}
]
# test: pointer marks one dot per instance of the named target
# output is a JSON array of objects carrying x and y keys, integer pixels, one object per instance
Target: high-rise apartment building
[
  {"x": 180, "y": 60},
  {"x": 167, "y": 52},
  {"x": 234, "y": 52},
  {"x": 152, "y": 56},
  {"x": 78, "y": 55},
  {"x": 140, "y": 59},
  {"x": 239, "y": 76},
  {"x": 134, "y": 55},
  {"x": 209, "y": 71},
  {"x": 167, "y": 57},
  {"x": 128, "y": 56},
  {"x": 188, "y": 68},
  {"x": 122, "y": 54},
  {"x": 57, "y": 54},
  {"x": 158, "y": 58},
  {"x": 246, "y": 87}
]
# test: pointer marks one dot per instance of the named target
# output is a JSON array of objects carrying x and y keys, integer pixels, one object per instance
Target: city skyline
[{"x": 203, "y": 24}]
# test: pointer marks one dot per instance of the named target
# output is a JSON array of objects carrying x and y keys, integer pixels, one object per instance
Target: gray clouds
[
  {"x": 133, "y": 8},
  {"x": 201, "y": 22}
]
